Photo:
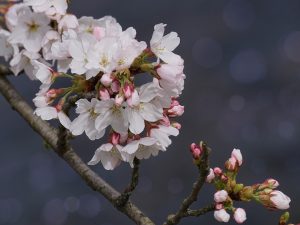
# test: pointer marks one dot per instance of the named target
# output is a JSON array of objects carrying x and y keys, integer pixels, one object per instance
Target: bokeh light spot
[
  {"x": 248, "y": 66},
  {"x": 207, "y": 52}
]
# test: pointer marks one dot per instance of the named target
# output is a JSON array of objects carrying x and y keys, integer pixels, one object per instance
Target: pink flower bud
[
  {"x": 224, "y": 178},
  {"x": 175, "y": 111},
  {"x": 115, "y": 86},
  {"x": 127, "y": 90},
  {"x": 115, "y": 138},
  {"x": 99, "y": 33},
  {"x": 220, "y": 196},
  {"x": 196, "y": 151},
  {"x": 219, "y": 206},
  {"x": 53, "y": 93},
  {"x": 210, "y": 176},
  {"x": 104, "y": 94},
  {"x": 280, "y": 200},
  {"x": 240, "y": 215},
  {"x": 119, "y": 99},
  {"x": 165, "y": 121},
  {"x": 221, "y": 215},
  {"x": 218, "y": 171},
  {"x": 231, "y": 164},
  {"x": 236, "y": 153},
  {"x": 176, "y": 125},
  {"x": 106, "y": 79},
  {"x": 271, "y": 183}
]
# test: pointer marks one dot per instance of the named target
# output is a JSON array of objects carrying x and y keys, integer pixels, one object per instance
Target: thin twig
[
  {"x": 50, "y": 135},
  {"x": 200, "y": 212},
  {"x": 124, "y": 197},
  {"x": 203, "y": 167}
]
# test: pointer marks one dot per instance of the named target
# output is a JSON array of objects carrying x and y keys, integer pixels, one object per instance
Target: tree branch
[
  {"x": 200, "y": 212},
  {"x": 50, "y": 135},
  {"x": 203, "y": 167},
  {"x": 133, "y": 184}
]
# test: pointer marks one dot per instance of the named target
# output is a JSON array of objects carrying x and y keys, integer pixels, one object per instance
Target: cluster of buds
[{"x": 228, "y": 190}]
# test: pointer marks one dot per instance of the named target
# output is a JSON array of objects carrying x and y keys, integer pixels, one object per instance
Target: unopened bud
[
  {"x": 119, "y": 99},
  {"x": 231, "y": 164},
  {"x": 176, "y": 125},
  {"x": 104, "y": 94},
  {"x": 196, "y": 151},
  {"x": 106, "y": 79},
  {"x": 224, "y": 178},
  {"x": 128, "y": 90},
  {"x": 269, "y": 183},
  {"x": 236, "y": 153},
  {"x": 115, "y": 86},
  {"x": 210, "y": 176},
  {"x": 284, "y": 218},
  {"x": 240, "y": 215},
  {"x": 218, "y": 171},
  {"x": 115, "y": 138},
  {"x": 220, "y": 196}
]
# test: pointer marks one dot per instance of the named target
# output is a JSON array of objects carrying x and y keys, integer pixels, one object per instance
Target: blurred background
[{"x": 242, "y": 61}]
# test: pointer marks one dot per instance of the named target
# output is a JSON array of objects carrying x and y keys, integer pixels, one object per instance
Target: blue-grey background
[{"x": 242, "y": 61}]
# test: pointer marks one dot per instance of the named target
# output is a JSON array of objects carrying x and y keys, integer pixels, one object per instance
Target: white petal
[
  {"x": 150, "y": 112},
  {"x": 136, "y": 121},
  {"x": 64, "y": 119},
  {"x": 46, "y": 113}
]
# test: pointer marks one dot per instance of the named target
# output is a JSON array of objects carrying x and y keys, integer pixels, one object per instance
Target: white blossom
[
  {"x": 163, "y": 46},
  {"x": 85, "y": 122},
  {"x": 30, "y": 30}
]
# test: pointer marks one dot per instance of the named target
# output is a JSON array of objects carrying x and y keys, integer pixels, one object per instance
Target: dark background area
[{"x": 242, "y": 61}]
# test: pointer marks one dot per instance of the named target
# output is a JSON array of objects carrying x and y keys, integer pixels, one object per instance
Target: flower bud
[
  {"x": 165, "y": 121},
  {"x": 218, "y": 171},
  {"x": 210, "y": 176},
  {"x": 99, "y": 33},
  {"x": 115, "y": 86},
  {"x": 175, "y": 111},
  {"x": 279, "y": 200},
  {"x": 236, "y": 153},
  {"x": 219, "y": 206},
  {"x": 106, "y": 79},
  {"x": 104, "y": 94},
  {"x": 119, "y": 99},
  {"x": 231, "y": 164},
  {"x": 270, "y": 183},
  {"x": 220, "y": 196},
  {"x": 196, "y": 151},
  {"x": 221, "y": 215},
  {"x": 240, "y": 215},
  {"x": 176, "y": 125},
  {"x": 224, "y": 178},
  {"x": 53, "y": 93},
  {"x": 115, "y": 138},
  {"x": 127, "y": 90}
]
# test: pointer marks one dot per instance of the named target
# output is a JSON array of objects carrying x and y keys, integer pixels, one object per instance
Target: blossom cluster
[
  {"x": 101, "y": 61},
  {"x": 228, "y": 190}
]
